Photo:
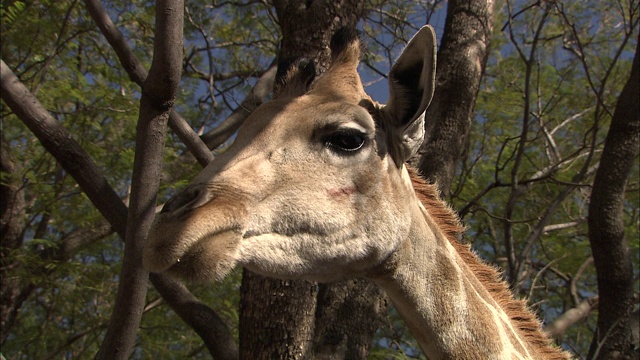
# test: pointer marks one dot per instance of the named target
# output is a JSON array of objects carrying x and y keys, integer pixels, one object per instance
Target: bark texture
[
  {"x": 307, "y": 27},
  {"x": 348, "y": 315},
  {"x": 611, "y": 253},
  {"x": 462, "y": 56},
  {"x": 276, "y": 317}
]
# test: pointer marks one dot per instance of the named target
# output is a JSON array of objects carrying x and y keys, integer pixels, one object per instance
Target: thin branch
[
  {"x": 77, "y": 239},
  {"x": 368, "y": 64},
  {"x": 571, "y": 317},
  {"x": 537, "y": 231},
  {"x": 563, "y": 226},
  {"x": 56, "y": 45},
  {"x": 511, "y": 17},
  {"x": 200, "y": 317},
  {"x": 475, "y": 200},
  {"x": 573, "y": 286},
  {"x": 539, "y": 273},
  {"x": 580, "y": 54},
  {"x": 209, "y": 78},
  {"x": 570, "y": 119},
  {"x": 515, "y": 265},
  {"x": 258, "y": 94},
  {"x": 138, "y": 74}
]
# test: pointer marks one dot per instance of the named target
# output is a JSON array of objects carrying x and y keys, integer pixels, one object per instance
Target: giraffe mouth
[
  {"x": 211, "y": 257},
  {"x": 250, "y": 234}
]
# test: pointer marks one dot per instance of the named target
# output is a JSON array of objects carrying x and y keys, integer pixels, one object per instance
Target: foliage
[
  {"x": 570, "y": 97},
  {"x": 10, "y": 12}
]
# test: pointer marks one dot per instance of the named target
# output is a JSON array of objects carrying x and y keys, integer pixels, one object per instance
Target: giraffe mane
[{"x": 517, "y": 310}]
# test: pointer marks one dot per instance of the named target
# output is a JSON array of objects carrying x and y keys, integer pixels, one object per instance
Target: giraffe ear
[{"x": 411, "y": 87}]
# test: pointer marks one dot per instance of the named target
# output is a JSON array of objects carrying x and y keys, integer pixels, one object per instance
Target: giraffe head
[{"x": 314, "y": 186}]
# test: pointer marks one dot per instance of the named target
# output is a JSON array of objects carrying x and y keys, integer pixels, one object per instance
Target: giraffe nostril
[{"x": 190, "y": 198}]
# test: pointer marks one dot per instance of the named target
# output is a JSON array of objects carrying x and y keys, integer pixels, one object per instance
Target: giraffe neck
[{"x": 449, "y": 311}]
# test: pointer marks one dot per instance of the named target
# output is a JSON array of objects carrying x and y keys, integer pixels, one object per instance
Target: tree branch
[
  {"x": 61, "y": 144},
  {"x": 570, "y": 317},
  {"x": 137, "y": 73},
  {"x": 258, "y": 94},
  {"x": 573, "y": 285},
  {"x": 77, "y": 239},
  {"x": 158, "y": 95},
  {"x": 200, "y": 317},
  {"x": 563, "y": 226}
]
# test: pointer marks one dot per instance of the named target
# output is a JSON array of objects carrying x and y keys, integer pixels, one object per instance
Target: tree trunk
[
  {"x": 307, "y": 27},
  {"x": 612, "y": 258},
  {"x": 348, "y": 315},
  {"x": 277, "y": 317},
  {"x": 462, "y": 56}
]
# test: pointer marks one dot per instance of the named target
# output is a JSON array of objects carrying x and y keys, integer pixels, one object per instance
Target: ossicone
[{"x": 294, "y": 77}]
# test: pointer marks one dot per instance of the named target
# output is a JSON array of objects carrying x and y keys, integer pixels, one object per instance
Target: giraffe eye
[{"x": 345, "y": 141}]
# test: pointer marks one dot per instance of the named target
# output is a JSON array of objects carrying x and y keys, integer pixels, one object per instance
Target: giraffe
[{"x": 315, "y": 187}]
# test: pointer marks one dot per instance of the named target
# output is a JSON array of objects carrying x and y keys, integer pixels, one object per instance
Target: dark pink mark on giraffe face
[{"x": 341, "y": 193}]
